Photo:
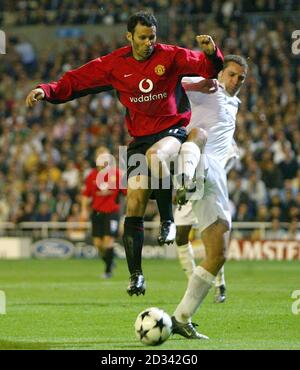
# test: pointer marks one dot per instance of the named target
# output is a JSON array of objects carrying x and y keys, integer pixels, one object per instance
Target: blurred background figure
[{"x": 102, "y": 186}]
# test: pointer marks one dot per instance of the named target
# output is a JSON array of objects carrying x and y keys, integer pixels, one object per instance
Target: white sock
[
  {"x": 188, "y": 159},
  {"x": 199, "y": 284},
  {"x": 186, "y": 258},
  {"x": 220, "y": 278}
]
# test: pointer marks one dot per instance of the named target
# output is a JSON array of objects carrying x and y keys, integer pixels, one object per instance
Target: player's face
[
  {"x": 142, "y": 41},
  {"x": 232, "y": 77},
  {"x": 102, "y": 158}
]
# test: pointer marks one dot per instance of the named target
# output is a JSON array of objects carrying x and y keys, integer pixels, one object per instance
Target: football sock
[
  {"x": 164, "y": 204},
  {"x": 186, "y": 258},
  {"x": 220, "y": 278},
  {"x": 109, "y": 260},
  {"x": 198, "y": 286},
  {"x": 188, "y": 160},
  {"x": 133, "y": 240}
]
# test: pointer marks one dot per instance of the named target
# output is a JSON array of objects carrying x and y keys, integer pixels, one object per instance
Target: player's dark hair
[
  {"x": 236, "y": 59},
  {"x": 144, "y": 18}
]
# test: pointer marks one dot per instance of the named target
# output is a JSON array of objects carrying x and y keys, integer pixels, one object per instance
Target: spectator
[
  {"x": 63, "y": 206},
  {"x": 256, "y": 189},
  {"x": 289, "y": 165},
  {"x": 276, "y": 232},
  {"x": 242, "y": 214},
  {"x": 271, "y": 176},
  {"x": 293, "y": 232},
  {"x": 43, "y": 214}
]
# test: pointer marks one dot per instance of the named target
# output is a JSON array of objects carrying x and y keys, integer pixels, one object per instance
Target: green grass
[{"x": 56, "y": 304}]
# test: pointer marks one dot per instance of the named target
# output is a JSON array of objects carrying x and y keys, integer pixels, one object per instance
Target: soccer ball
[{"x": 153, "y": 326}]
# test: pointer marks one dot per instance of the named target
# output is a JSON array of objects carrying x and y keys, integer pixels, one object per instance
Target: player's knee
[
  {"x": 97, "y": 242},
  {"x": 108, "y": 241},
  {"x": 198, "y": 136},
  {"x": 182, "y": 234},
  {"x": 220, "y": 259},
  {"x": 154, "y": 158},
  {"x": 181, "y": 239}
]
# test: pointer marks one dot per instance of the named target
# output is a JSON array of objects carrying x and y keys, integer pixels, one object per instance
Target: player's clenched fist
[
  {"x": 34, "y": 96},
  {"x": 206, "y": 43}
]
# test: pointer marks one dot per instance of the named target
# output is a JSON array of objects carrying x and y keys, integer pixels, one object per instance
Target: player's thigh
[
  {"x": 164, "y": 149},
  {"x": 97, "y": 228},
  {"x": 138, "y": 193}
]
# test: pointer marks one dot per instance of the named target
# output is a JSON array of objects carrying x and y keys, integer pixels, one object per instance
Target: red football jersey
[
  {"x": 150, "y": 89},
  {"x": 105, "y": 200}
]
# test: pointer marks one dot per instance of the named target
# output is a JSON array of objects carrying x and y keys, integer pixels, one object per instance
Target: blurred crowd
[
  {"x": 46, "y": 152},
  {"x": 24, "y": 12}
]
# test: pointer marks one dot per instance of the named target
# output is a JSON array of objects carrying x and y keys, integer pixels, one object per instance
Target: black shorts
[
  {"x": 105, "y": 224},
  {"x": 140, "y": 145}
]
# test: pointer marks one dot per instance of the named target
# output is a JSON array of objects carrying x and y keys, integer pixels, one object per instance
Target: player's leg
[
  {"x": 108, "y": 254},
  {"x": 133, "y": 237},
  {"x": 159, "y": 157},
  {"x": 202, "y": 279},
  {"x": 111, "y": 231},
  {"x": 185, "y": 250},
  {"x": 98, "y": 232},
  {"x": 220, "y": 284},
  {"x": 97, "y": 242},
  {"x": 188, "y": 160},
  {"x": 184, "y": 219},
  {"x": 220, "y": 287}
]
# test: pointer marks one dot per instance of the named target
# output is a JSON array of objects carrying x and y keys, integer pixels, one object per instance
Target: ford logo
[{"x": 52, "y": 248}]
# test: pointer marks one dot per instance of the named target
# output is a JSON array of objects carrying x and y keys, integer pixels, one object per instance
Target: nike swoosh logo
[{"x": 130, "y": 74}]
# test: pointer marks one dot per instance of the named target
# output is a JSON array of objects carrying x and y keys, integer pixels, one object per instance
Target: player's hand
[
  {"x": 206, "y": 86},
  {"x": 34, "y": 96},
  {"x": 206, "y": 44}
]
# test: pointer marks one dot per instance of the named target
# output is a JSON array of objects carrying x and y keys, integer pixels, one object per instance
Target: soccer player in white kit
[{"x": 216, "y": 114}]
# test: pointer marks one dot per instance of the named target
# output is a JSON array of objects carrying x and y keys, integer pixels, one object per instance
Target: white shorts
[
  {"x": 184, "y": 216},
  {"x": 214, "y": 203}
]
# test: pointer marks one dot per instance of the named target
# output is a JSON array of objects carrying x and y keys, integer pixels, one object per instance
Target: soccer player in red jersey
[
  {"x": 102, "y": 185},
  {"x": 147, "y": 76}
]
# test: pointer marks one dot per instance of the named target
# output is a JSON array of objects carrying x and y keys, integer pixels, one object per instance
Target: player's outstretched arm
[
  {"x": 34, "y": 96},
  {"x": 205, "y": 86}
]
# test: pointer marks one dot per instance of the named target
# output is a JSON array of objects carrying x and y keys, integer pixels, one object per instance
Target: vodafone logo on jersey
[{"x": 146, "y": 86}]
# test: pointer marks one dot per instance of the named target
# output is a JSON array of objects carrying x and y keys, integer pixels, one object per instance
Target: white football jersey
[{"x": 215, "y": 113}]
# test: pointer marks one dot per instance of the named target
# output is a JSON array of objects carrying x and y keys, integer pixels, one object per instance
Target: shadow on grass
[
  {"x": 76, "y": 345},
  {"x": 27, "y": 345}
]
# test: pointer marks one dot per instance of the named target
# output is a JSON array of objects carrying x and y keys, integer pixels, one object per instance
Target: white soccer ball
[{"x": 153, "y": 326}]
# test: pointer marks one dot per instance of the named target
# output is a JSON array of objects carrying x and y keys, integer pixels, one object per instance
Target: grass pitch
[{"x": 56, "y": 304}]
